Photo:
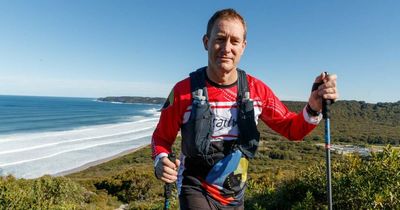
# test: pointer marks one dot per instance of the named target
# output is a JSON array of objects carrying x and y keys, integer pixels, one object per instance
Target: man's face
[{"x": 225, "y": 45}]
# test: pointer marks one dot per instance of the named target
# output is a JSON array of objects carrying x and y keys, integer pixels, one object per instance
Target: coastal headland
[{"x": 133, "y": 99}]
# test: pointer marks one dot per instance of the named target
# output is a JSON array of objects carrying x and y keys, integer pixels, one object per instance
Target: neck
[{"x": 222, "y": 77}]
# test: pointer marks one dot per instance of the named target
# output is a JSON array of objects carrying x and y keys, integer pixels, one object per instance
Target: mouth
[{"x": 225, "y": 58}]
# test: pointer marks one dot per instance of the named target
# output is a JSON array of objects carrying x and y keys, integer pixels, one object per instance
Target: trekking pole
[
  {"x": 168, "y": 186},
  {"x": 325, "y": 113}
]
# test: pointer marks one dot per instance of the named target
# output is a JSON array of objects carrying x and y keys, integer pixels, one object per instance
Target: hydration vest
[{"x": 197, "y": 131}]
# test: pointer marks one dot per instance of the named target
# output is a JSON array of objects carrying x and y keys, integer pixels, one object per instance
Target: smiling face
[{"x": 225, "y": 45}]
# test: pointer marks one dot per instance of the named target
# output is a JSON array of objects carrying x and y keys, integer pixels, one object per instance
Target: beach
[{"x": 97, "y": 162}]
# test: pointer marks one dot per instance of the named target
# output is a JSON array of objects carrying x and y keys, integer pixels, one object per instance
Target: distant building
[{"x": 350, "y": 149}]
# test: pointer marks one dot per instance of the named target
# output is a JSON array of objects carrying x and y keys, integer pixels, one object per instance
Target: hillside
[{"x": 358, "y": 122}]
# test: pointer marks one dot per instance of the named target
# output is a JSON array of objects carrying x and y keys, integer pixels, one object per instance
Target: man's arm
[
  {"x": 167, "y": 128},
  {"x": 295, "y": 126},
  {"x": 166, "y": 132}
]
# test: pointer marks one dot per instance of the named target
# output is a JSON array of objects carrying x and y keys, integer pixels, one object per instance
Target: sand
[{"x": 97, "y": 162}]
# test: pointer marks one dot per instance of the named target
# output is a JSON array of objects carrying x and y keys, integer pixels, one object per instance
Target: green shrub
[
  {"x": 357, "y": 183},
  {"x": 134, "y": 186},
  {"x": 42, "y": 193}
]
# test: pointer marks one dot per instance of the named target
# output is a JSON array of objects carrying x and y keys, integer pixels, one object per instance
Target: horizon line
[{"x": 90, "y": 97}]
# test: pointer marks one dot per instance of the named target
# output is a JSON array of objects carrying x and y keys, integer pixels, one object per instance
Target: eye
[
  {"x": 220, "y": 39},
  {"x": 235, "y": 42}
]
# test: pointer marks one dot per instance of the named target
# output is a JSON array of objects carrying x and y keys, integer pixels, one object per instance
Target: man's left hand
[{"x": 327, "y": 90}]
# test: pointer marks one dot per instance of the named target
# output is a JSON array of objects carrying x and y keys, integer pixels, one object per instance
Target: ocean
[{"x": 51, "y": 135}]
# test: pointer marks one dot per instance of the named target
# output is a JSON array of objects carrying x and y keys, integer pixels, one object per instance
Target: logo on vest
[{"x": 224, "y": 123}]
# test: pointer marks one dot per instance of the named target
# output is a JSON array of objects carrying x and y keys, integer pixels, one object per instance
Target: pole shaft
[
  {"x": 325, "y": 113},
  {"x": 328, "y": 163}
]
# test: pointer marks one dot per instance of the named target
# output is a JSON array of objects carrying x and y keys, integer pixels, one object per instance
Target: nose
[{"x": 227, "y": 47}]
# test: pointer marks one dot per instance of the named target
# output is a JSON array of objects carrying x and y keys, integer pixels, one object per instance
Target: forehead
[{"x": 229, "y": 26}]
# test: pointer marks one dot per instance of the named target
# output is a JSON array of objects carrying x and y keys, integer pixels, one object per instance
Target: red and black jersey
[{"x": 223, "y": 101}]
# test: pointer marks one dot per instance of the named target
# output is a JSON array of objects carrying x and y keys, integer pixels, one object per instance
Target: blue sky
[{"x": 94, "y": 48}]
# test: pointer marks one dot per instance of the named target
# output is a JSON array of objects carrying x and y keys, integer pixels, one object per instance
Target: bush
[
  {"x": 138, "y": 187},
  {"x": 357, "y": 183},
  {"x": 42, "y": 193}
]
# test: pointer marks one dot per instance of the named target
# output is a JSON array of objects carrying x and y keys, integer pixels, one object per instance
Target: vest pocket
[
  {"x": 196, "y": 132},
  {"x": 249, "y": 135}
]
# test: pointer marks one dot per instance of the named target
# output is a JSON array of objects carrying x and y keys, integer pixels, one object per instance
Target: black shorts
[{"x": 194, "y": 198}]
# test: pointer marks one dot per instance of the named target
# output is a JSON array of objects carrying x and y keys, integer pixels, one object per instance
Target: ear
[
  {"x": 244, "y": 44},
  {"x": 205, "y": 42}
]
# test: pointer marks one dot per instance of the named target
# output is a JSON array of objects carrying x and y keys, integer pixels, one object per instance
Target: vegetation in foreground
[
  {"x": 284, "y": 175},
  {"x": 358, "y": 183}
]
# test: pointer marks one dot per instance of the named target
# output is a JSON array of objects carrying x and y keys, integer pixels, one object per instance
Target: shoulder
[
  {"x": 255, "y": 83},
  {"x": 179, "y": 95},
  {"x": 183, "y": 85},
  {"x": 258, "y": 89},
  {"x": 181, "y": 91}
]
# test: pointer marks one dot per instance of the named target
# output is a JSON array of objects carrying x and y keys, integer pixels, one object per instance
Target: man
[{"x": 217, "y": 109}]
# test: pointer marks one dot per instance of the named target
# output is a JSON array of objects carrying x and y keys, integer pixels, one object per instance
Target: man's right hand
[{"x": 166, "y": 170}]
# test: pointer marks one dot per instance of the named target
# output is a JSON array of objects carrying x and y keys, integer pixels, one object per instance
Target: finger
[
  {"x": 167, "y": 180},
  {"x": 177, "y": 163},
  {"x": 333, "y": 96},
  {"x": 327, "y": 85},
  {"x": 170, "y": 171},
  {"x": 167, "y": 162},
  {"x": 328, "y": 95},
  {"x": 330, "y": 84},
  {"x": 320, "y": 78},
  {"x": 170, "y": 177},
  {"x": 330, "y": 77},
  {"x": 327, "y": 91}
]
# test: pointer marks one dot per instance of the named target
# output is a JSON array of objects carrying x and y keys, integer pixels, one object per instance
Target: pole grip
[
  {"x": 325, "y": 105},
  {"x": 172, "y": 157},
  {"x": 325, "y": 108},
  {"x": 168, "y": 186}
]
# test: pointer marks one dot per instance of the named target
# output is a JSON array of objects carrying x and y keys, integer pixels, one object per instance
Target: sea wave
[{"x": 31, "y": 155}]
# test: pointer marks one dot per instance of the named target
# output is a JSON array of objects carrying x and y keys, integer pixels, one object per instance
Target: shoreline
[{"x": 97, "y": 162}]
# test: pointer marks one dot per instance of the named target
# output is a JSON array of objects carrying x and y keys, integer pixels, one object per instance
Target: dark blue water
[{"x": 27, "y": 114}]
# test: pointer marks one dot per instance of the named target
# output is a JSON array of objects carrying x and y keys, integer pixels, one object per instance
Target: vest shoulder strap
[
  {"x": 198, "y": 82},
  {"x": 242, "y": 85}
]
